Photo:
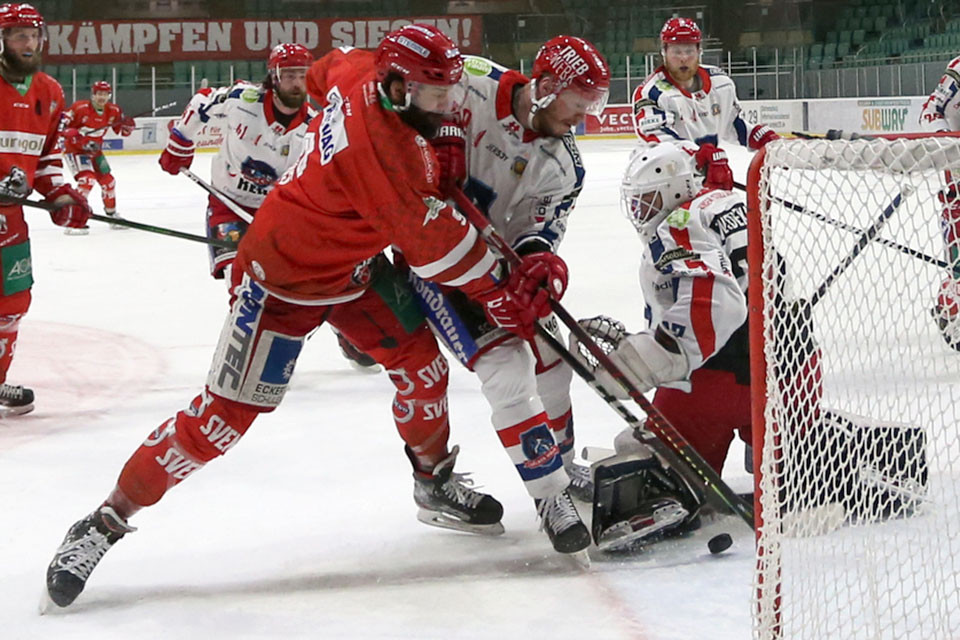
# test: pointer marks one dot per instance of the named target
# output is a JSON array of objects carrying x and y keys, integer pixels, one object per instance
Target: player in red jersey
[
  {"x": 84, "y": 125},
  {"x": 31, "y": 103},
  {"x": 366, "y": 179}
]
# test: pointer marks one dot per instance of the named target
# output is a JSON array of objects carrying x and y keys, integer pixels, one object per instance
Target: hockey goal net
[{"x": 856, "y": 392}]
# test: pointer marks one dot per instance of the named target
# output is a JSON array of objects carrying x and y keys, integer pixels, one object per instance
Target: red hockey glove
[
  {"x": 71, "y": 135},
  {"x": 760, "y": 136},
  {"x": 540, "y": 276},
  {"x": 503, "y": 311},
  {"x": 450, "y": 148},
  {"x": 178, "y": 154},
  {"x": 714, "y": 163},
  {"x": 124, "y": 126},
  {"x": 72, "y": 208}
]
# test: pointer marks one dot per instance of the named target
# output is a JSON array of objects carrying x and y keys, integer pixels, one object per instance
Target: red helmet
[
  {"x": 20, "y": 15},
  {"x": 419, "y": 53},
  {"x": 101, "y": 86},
  {"x": 288, "y": 55},
  {"x": 576, "y": 64},
  {"x": 680, "y": 31}
]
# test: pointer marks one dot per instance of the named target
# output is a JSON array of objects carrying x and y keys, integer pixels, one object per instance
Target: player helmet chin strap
[
  {"x": 387, "y": 103},
  {"x": 537, "y": 104}
]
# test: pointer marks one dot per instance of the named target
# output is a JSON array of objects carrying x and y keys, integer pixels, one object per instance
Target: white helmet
[{"x": 665, "y": 170}]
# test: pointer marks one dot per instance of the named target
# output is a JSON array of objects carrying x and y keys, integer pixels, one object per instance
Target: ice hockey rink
[{"x": 307, "y": 529}]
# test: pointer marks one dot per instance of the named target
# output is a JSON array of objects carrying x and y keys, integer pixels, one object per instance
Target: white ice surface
[{"x": 307, "y": 529}]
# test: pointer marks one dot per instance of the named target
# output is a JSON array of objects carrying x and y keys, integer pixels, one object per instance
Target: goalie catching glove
[{"x": 647, "y": 359}]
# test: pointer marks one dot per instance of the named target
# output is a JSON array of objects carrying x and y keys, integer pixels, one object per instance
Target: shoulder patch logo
[
  {"x": 434, "y": 207},
  {"x": 679, "y": 218},
  {"x": 250, "y": 95},
  {"x": 477, "y": 66}
]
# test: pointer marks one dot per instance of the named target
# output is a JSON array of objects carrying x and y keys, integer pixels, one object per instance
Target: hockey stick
[
  {"x": 220, "y": 195},
  {"x": 868, "y": 235},
  {"x": 661, "y": 436},
  {"x": 46, "y": 206},
  {"x": 148, "y": 112},
  {"x": 852, "y": 229}
]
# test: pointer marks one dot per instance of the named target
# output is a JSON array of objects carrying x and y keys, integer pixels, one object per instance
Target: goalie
[{"x": 693, "y": 277}]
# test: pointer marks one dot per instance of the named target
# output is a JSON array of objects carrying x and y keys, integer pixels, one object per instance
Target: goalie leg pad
[{"x": 638, "y": 501}]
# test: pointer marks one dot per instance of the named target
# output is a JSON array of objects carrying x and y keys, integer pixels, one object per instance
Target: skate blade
[
  {"x": 47, "y": 606},
  {"x": 580, "y": 559},
  {"x": 443, "y": 521},
  {"x": 119, "y": 227},
  {"x": 9, "y": 412}
]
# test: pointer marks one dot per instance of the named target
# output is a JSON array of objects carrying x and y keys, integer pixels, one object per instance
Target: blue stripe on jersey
[
  {"x": 708, "y": 139},
  {"x": 741, "y": 128},
  {"x": 671, "y": 132},
  {"x": 953, "y": 93},
  {"x": 448, "y": 326},
  {"x": 495, "y": 73}
]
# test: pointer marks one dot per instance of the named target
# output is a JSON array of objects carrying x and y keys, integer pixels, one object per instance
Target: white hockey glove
[{"x": 648, "y": 359}]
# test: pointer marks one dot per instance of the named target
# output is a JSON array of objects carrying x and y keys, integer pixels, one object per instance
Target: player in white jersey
[
  {"x": 518, "y": 154},
  {"x": 941, "y": 112},
  {"x": 685, "y": 100},
  {"x": 263, "y": 128}
]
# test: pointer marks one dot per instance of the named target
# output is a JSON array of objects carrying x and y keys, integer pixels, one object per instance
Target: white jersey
[
  {"x": 664, "y": 111},
  {"x": 526, "y": 184},
  {"x": 256, "y": 148},
  {"x": 941, "y": 111},
  {"x": 694, "y": 273}
]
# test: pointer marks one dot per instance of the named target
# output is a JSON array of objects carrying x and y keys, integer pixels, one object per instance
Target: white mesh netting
[{"x": 860, "y": 478}]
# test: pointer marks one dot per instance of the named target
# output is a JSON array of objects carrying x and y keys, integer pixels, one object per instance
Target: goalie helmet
[
  {"x": 288, "y": 55},
  {"x": 657, "y": 180},
  {"x": 430, "y": 64},
  {"x": 577, "y": 68},
  {"x": 680, "y": 31},
  {"x": 14, "y": 15}
]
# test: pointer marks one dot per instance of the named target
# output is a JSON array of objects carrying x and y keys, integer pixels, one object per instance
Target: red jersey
[
  {"x": 364, "y": 181},
  {"x": 29, "y": 140},
  {"x": 92, "y": 125}
]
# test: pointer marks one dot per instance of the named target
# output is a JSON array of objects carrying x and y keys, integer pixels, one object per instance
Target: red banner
[
  {"x": 94, "y": 42},
  {"x": 616, "y": 118}
]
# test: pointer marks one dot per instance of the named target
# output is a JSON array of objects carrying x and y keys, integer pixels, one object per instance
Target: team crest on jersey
[
  {"x": 258, "y": 173},
  {"x": 715, "y": 109},
  {"x": 285, "y": 150},
  {"x": 519, "y": 166},
  {"x": 434, "y": 207}
]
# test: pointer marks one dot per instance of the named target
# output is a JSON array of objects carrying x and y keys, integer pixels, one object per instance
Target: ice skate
[
  {"x": 357, "y": 359},
  {"x": 559, "y": 518},
  {"x": 447, "y": 500},
  {"x": 15, "y": 400},
  {"x": 83, "y": 547},
  {"x": 649, "y": 524},
  {"x": 113, "y": 214},
  {"x": 76, "y": 231},
  {"x": 581, "y": 481}
]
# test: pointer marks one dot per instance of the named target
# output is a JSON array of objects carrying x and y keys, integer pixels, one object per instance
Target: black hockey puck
[{"x": 719, "y": 543}]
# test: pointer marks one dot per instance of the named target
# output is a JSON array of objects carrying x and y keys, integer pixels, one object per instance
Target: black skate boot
[
  {"x": 447, "y": 500},
  {"x": 562, "y": 523},
  {"x": 80, "y": 551},
  {"x": 15, "y": 401}
]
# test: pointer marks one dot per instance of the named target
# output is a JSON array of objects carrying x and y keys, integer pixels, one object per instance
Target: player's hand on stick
[
  {"x": 124, "y": 126},
  {"x": 72, "y": 208},
  {"x": 760, "y": 136},
  {"x": 178, "y": 154},
  {"x": 503, "y": 311},
  {"x": 450, "y": 147},
  {"x": 647, "y": 359},
  {"x": 713, "y": 161},
  {"x": 539, "y": 277}
]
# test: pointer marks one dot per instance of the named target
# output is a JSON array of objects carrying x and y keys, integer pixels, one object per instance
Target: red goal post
[{"x": 856, "y": 394}]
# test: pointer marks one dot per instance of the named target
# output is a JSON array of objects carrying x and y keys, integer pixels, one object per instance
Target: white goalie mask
[{"x": 657, "y": 180}]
